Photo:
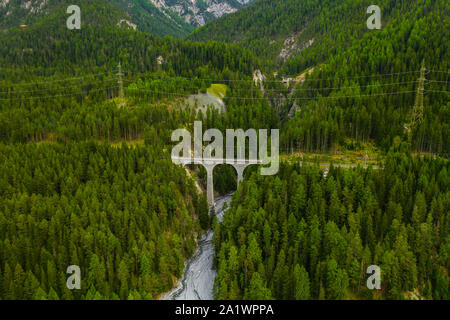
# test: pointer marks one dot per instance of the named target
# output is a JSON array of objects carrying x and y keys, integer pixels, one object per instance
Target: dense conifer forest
[
  {"x": 127, "y": 215},
  {"x": 86, "y": 176},
  {"x": 300, "y": 235}
]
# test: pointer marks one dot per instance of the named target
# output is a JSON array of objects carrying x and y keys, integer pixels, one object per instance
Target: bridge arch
[{"x": 210, "y": 163}]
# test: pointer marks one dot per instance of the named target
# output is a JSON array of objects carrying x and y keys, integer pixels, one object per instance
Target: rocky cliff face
[{"x": 198, "y": 12}]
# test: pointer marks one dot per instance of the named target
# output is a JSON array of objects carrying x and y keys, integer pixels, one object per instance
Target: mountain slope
[
  {"x": 14, "y": 13},
  {"x": 265, "y": 24},
  {"x": 326, "y": 50},
  {"x": 139, "y": 14},
  {"x": 160, "y": 17},
  {"x": 150, "y": 17},
  {"x": 312, "y": 29}
]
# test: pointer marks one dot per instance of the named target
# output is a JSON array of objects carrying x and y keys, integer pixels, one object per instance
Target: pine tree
[
  {"x": 257, "y": 289},
  {"x": 301, "y": 283}
]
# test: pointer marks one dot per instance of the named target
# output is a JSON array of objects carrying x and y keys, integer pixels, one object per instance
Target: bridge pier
[
  {"x": 209, "y": 182},
  {"x": 240, "y": 172}
]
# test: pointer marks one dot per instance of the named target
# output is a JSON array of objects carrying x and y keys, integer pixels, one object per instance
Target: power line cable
[
  {"x": 60, "y": 80},
  {"x": 438, "y": 71},
  {"x": 59, "y": 88},
  {"x": 268, "y": 90},
  {"x": 438, "y": 91},
  {"x": 220, "y": 80},
  {"x": 246, "y": 98},
  {"x": 328, "y": 88},
  {"x": 60, "y": 95},
  {"x": 299, "y": 98},
  {"x": 281, "y": 81}
]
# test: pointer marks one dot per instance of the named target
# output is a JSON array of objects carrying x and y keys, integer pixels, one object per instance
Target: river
[{"x": 198, "y": 277}]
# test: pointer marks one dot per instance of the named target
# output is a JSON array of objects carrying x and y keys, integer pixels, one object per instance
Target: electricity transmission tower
[
  {"x": 417, "y": 113},
  {"x": 120, "y": 82}
]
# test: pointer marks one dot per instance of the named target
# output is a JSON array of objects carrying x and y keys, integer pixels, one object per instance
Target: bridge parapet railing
[{"x": 216, "y": 161}]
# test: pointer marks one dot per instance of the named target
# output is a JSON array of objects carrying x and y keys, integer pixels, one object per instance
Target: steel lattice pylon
[{"x": 417, "y": 112}]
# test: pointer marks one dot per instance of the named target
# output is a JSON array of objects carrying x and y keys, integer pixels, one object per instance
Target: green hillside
[
  {"x": 59, "y": 114},
  {"x": 94, "y": 13},
  {"x": 300, "y": 235},
  {"x": 150, "y": 19},
  {"x": 143, "y": 14},
  {"x": 376, "y": 69},
  {"x": 332, "y": 26},
  {"x": 86, "y": 118}
]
